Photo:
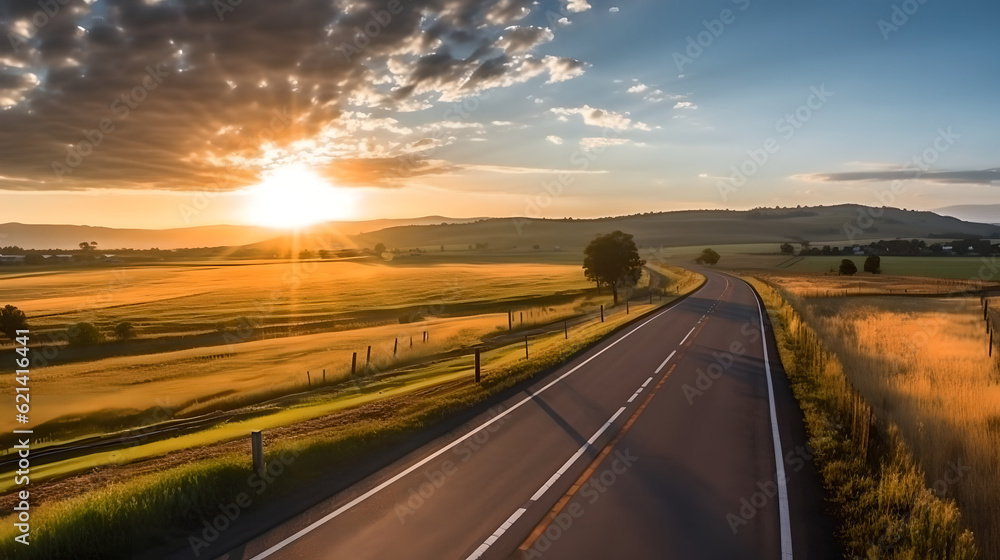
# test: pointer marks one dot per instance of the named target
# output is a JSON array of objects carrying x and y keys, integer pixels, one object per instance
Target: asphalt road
[{"x": 659, "y": 442}]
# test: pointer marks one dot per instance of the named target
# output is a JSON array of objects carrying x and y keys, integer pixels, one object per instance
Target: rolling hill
[
  {"x": 50, "y": 236},
  {"x": 836, "y": 225}
]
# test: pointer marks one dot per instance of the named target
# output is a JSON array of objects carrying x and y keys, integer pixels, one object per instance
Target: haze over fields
[{"x": 836, "y": 225}]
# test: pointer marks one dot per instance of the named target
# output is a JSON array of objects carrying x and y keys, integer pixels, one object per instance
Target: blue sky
[{"x": 551, "y": 108}]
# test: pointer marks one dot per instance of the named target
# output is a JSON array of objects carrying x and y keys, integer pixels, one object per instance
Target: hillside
[
  {"x": 694, "y": 227},
  {"x": 50, "y": 236},
  {"x": 985, "y": 213}
]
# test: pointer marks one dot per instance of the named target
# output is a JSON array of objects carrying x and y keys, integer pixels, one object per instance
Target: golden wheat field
[
  {"x": 197, "y": 297},
  {"x": 375, "y": 304},
  {"x": 923, "y": 363}
]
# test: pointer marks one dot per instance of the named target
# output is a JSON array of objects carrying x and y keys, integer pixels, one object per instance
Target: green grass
[
  {"x": 884, "y": 508},
  {"x": 962, "y": 268}
]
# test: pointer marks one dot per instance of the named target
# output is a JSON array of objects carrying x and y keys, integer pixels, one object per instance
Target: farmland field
[
  {"x": 197, "y": 297},
  {"x": 923, "y": 363}
]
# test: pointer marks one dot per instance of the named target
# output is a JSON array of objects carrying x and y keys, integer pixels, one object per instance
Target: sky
[{"x": 175, "y": 113}]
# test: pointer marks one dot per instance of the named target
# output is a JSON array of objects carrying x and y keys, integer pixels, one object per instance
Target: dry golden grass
[
  {"x": 834, "y": 285},
  {"x": 923, "y": 364},
  {"x": 194, "y": 298},
  {"x": 119, "y": 392}
]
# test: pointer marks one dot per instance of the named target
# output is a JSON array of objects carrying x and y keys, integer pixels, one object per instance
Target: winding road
[{"x": 676, "y": 437}]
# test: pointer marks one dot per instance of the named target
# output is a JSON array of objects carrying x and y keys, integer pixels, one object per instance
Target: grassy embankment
[
  {"x": 124, "y": 518},
  {"x": 885, "y": 507}
]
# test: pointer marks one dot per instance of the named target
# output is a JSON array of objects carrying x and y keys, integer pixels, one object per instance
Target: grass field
[
  {"x": 197, "y": 297},
  {"x": 923, "y": 365},
  {"x": 455, "y": 311},
  {"x": 103, "y": 396}
]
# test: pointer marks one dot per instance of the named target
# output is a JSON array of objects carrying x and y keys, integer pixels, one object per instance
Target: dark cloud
[
  {"x": 177, "y": 94},
  {"x": 976, "y": 177}
]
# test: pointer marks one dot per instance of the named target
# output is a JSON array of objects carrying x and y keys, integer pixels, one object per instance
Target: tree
[
  {"x": 124, "y": 331},
  {"x": 12, "y": 320},
  {"x": 84, "y": 246},
  {"x": 305, "y": 254},
  {"x": 873, "y": 264},
  {"x": 848, "y": 268},
  {"x": 379, "y": 248},
  {"x": 787, "y": 249},
  {"x": 612, "y": 259},
  {"x": 84, "y": 334},
  {"x": 708, "y": 256}
]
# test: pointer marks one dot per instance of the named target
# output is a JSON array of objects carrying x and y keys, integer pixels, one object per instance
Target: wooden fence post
[
  {"x": 525, "y": 347},
  {"x": 602, "y": 313},
  {"x": 257, "y": 451},
  {"x": 477, "y": 365},
  {"x": 354, "y": 363}
]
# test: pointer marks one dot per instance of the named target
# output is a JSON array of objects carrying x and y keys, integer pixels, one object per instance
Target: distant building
[{"x": 11, "y": 259}]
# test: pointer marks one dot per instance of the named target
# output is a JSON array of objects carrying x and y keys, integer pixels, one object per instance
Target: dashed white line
[
  {"x": 688, "y": 334},
  {"x": 541, "y": 491},
  {"x": 648, "y": 381},
  {"x": 663, "y": 364},
  {"x": 583, "y": 448},
  {"x": 497, "y": 534}
]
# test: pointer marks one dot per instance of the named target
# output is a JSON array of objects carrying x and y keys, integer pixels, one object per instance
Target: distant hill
[
  {"x": 692, "y": 227},
  {"x": 46, "y": 236},
  {"x": 985, "y": 213}
]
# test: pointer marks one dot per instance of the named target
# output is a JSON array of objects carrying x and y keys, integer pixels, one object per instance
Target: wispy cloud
[
  {"x": 975, "y": 177},
  {"x": 601, "y": 117}
]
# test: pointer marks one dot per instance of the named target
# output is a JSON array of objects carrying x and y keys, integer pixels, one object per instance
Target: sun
[{"x": 295, "y": 197}]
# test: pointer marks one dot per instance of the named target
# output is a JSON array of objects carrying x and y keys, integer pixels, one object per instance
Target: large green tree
[
  {"x": 848, "y": 268},
  {"x": 873, "y": 264},
  {"x": 613, "y": 260},
  {"x": 708, "y": 256}
]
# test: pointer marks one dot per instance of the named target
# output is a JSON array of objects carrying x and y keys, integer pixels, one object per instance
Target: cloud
[
  {"x": 513, "y": 170},
  {"x": 614, "y": 9},
  {"x": 638, "y": 88},
  {"x": 576, "y": 6},
  {"x": 554, "y": 139},
  {"x": 284, "y": 81},
  {"x": 523, "y": 39},
  {"x": 600, "y": 117},
  {"x": 685, "y": 105},
  {"x": 591, "y": 143},
  {"x": 973, "y": 177}
]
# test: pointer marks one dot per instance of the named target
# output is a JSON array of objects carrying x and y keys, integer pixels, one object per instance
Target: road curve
[{"x": 664, "y": 441}]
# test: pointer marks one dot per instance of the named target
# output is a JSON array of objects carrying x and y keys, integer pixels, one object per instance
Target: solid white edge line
[
  {"x": 783, "y": 515},
  {"x": 688, "y": 334},
  {"x": 350, "y": 505},
  {"x": 661, "y": 366}
]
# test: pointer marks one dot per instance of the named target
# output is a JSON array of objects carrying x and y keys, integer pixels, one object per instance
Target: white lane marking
[
  {"x": 635, "y": 394},
  {"x": 548, "y": 484},
  {"x": 497, "y": 534},
  {"x": 350, "y": 505},
  {"x": 569, "y": 462},
  {"x": 663, "y": 364},
  {"x": 783, "y": 516},
  {"x": 651, "y": 379},
  {"x": 686, "y": 336}
]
